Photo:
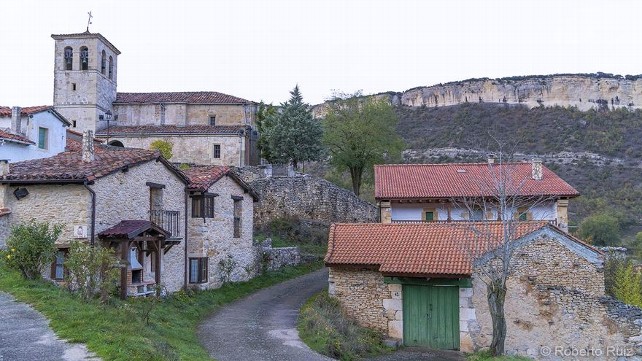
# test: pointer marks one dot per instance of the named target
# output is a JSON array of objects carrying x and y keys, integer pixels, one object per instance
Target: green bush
[
  {"x": 30, "y": 247},
  {"x": 600, "y": 229},
  {"x": 326, "y": 329},
  {"x": 92, "y": 271},
  {"x": 627, "y": 285},
  {"x": 164, "y": 147}
]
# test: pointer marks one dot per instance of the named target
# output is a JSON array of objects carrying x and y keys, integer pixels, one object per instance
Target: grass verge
[
  {"x": 325, "y": 329},
  {"x": 486, "y": 356},
  {"x": 121, "y": 331}
]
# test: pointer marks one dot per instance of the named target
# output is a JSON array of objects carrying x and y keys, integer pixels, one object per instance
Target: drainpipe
[
  {"x": 186, "y": 267},
  {"x": 93, "y": 212}
]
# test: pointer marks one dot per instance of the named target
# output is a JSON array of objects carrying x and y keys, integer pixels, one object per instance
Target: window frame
[
  {"x": 43, "y": 138},
  {"x": 68, "y": 58},
  {"x": 203, "y": 205},
  {"x": 84, "y": 58},
  {"x": 212, "y": 120},
  {"x": 202, "y": 265},
  {"x": 237, "y": 216},
  {"x": 216, "y": 151},
  {"x": 435, "y": 215},
  {"x": 55, "y": 265},
  {"x": 111, "y": 67},
  {"x": 103, "y": 63}
]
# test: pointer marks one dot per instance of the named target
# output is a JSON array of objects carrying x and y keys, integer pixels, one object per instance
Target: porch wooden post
[
  {"x": 157, "y": 270},
  {"x": 124, "y": 253}
]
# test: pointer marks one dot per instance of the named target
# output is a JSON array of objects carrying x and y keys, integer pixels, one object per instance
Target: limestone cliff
[{"x": 585, "y": 91}]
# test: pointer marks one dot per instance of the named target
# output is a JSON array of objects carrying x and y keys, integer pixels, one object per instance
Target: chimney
[
  {"x": 491, "y": 158},
  {"x": 4, "y": 167},
  {"x": 16, "y": 120},
  {"x": 537, "y": 173},
  {"x": 87, "y": 146}
]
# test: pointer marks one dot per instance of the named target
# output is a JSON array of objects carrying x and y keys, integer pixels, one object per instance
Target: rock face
[{"x": 585, "y": 91}]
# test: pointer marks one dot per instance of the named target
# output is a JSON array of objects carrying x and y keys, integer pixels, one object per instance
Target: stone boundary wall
[
  {"x": 277, "y": 258},
  {"x": 308, "y": 197}
]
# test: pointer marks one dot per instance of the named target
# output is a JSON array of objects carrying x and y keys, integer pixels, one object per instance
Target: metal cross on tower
[{"x": 89, "y": 20}]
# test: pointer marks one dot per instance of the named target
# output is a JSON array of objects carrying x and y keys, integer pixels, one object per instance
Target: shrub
[
  {"x": 600, "y": 229},
  {"x": 326, "y": 329},
  {"x": 164, "y": 147},
  {"x": 93, "y": 271},
  {"x": 30, "y": 247},
  {"x": 627, "y": 285}
]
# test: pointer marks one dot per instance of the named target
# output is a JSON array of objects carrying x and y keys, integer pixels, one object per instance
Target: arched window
[
  {"x": 84, "y": 58},
  {"x": 111, "y": 67},
  {"x": 69, "y": 58},
  {"x": 116, "y": 143},
  {"x": 103, "y": 63}
]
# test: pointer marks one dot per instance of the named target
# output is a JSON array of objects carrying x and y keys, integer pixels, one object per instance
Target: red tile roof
[
  {"x": 418, "y": 249},
  {"x": 180, "y": 97},
  {"x": 15, "y": 138},
  {"x": 6, "y": 111},
  {"x": 172, "y": 129},
  {"x": 202, "y": 177},
  {"x": 68, "y": 165},
  {"x": 417, "y": 181},
  {"x": 129, "y": 229}
]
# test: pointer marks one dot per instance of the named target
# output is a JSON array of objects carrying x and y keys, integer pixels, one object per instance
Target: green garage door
[{"x": 431, "y": 316}]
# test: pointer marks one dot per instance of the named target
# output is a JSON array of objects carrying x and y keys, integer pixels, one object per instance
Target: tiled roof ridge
[
  {"x": 5, "y": 111},
  {"x": 453, "y": 164},
  {"x": 195, "y": 97}
]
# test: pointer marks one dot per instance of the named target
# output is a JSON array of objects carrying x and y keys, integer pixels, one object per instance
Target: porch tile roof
[
  {"x": 172, "y": 129},
  {"x": 15, "y": 138},
  {"x": 201, "y": 97},
  {"x": 128, "y": 229},
  {"x": 416, "y": 181},
  {"x": 417, "y": 249}
]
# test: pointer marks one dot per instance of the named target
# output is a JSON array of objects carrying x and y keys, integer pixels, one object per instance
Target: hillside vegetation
[{"x": 598, "y": 152}]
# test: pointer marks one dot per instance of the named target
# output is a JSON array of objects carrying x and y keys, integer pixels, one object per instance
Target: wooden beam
[
  {"x": 157, "y": 271},
  {"x": 124, "y": 253}
]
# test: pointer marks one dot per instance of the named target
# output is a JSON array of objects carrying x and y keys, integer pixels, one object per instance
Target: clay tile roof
[
  {"x": 202, "y": 177},
  {"x": 180, "y": 97},
  {"x": 68, "y": 165},
  {"x": 426, "y": 249},
  {"x": 6, "y": 111},
  {"x": 15, "y": 138},
  {"x": 172, "y": 129},
  {"x": 416, "y": 181},
  {"x": 4, "y": 211},
  {"x": 129, "y": 229}
]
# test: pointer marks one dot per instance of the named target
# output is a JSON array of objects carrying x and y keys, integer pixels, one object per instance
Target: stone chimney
[
  {"x": 87, "y": 146},
  {"x": 4, "y": 167},
  {"x": 537, "y": 172},
  {"x": 16, "y": 120},
  {"x": 491, "y": 158}
]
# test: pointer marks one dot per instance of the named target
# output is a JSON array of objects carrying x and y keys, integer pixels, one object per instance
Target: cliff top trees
[
  {"x": 360, "y": 132},
  {"x": 291, "y": 134}
]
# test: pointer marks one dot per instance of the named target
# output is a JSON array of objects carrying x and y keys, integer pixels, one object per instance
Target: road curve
[{"x": 262, "y": 326}]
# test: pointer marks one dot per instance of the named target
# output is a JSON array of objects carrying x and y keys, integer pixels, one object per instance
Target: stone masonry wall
[
  {"x": 275, "y": 258},
  {"x": 308, "y": 197},
  {"x": 555, "y": 302},
  {"x": 365, "y": 297},
  {"x": 214, "y": 237}
]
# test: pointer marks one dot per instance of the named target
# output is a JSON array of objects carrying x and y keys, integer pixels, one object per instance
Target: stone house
[
  {"x": 419, "y": 283},
  {"x": 31, "y": 132},
  {"x": 468, "y": 192},
  {"x": 219, "y": 226},
  {"x": 130, "y": 199},
  {"x": 204, "y": 127}
]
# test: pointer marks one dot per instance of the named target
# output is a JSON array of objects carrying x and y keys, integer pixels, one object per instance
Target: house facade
[
  {"x": 421, "y": 284},
  {"x": 471, "y": 192},
  {"x": 204, "y": 127},
  {"x": 31, "y": 133},
  {"x": 95, "y": 193},
  {"x": 220, "y": 226}
]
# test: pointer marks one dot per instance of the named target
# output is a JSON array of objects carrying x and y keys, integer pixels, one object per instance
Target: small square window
[
  {"x": 212, "y": 119},
  {"x": 198, "y": 270},
  {"x": 43, "y": 138},
  {"x": 73, "y": 86},
  {"x": 217, "y": 151},
  {"x": 73, "y": 123}
]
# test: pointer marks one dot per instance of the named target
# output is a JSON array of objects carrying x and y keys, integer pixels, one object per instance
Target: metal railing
[{"x": 167, "y": 220}]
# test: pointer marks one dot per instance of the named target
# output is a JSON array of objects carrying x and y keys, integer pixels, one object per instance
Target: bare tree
[{"x": 500, "y": 216}]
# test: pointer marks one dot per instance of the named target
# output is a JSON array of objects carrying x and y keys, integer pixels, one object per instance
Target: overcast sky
[{"x": 259, "y": 50}]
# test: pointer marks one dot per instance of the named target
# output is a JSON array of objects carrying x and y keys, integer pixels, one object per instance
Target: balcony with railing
[{"x": 167, "y": 220}]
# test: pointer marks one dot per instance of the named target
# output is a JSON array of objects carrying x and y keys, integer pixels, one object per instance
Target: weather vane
[{"x": 89, "y": 20}]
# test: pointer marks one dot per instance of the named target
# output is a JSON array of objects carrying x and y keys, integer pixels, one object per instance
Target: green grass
[
  {"x": 326, "y": 329},
  {"x": 118, "y": 331},
  {"x": 485, "y": 356}
]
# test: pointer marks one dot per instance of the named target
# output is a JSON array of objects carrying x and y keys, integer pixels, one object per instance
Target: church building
[{"x": 203, "y": 127}]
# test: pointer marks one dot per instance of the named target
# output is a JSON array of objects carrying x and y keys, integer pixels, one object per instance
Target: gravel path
[
  {"x": 262, "y": 326},
  {"x": 26, "y": 336}
]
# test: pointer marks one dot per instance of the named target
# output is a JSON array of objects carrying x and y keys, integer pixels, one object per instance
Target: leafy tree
[
  {"x": 163, "y": 146},
  {"x": 93, "y": 270},
  {"x": 30, "y": 247},
  {"x": 264, "y": 115},
  {"x": 291, "y": 134},
  {"x": 600, "y": 229},
  {"x": 360, "y": 132},
  {"x": 628, "y": 284}
]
